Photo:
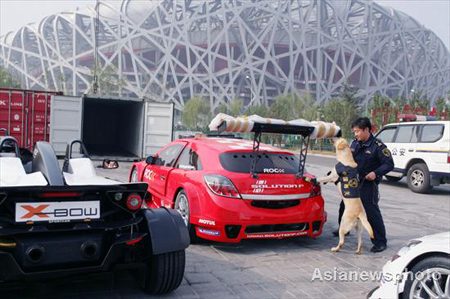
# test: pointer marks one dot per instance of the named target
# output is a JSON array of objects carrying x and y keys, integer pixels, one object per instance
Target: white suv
[{"x": 421, "y": 152}]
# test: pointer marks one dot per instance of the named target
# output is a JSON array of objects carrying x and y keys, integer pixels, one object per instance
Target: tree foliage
[
  {"x": 108, "y": 80},
  {"x": 6, "y": 79},
  {"x": 196, "y": 113}
]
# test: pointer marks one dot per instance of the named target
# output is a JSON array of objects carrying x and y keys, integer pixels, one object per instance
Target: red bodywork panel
[{"x": 274, "y": 205}]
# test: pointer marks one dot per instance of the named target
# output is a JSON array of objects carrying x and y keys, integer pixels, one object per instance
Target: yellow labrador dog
[{"x": 345, "y": 175}]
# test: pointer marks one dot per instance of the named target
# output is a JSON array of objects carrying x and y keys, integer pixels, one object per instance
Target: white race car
[
  {"x": 419, "y": 269},
  {"x": 59, "y": 222}
]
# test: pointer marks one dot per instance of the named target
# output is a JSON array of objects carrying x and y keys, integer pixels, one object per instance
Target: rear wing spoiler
[{"x": 258, "y": 125}]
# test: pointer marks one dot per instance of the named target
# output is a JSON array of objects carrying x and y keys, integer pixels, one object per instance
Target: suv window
[
  {"x": 190, "y": 159},
  {"x": 405, "y": 134},
  {"x": 267, "y": 163},
  {"x": 168, "y": 156},
  {"x": 431, "y": 133},
  {"x": 387, "y": 134}
]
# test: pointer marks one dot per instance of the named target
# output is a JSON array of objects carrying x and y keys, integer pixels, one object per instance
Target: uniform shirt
[
  {"x": 348, "y": 177},
  {"x": 372, "y": 155}
]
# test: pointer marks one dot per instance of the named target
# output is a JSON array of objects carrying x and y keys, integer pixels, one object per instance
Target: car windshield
[{"x": 270, "y": 163}]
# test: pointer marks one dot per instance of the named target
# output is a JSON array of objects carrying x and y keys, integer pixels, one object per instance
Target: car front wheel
[
  {"x": 182, "y": 206},
  {"x": 134, "y": 176},
  {"x": 419, "y": 178},
  {"x": 430, "y": 278}
]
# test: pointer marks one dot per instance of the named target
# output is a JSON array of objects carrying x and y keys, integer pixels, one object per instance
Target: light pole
[{"x": 251, "y": 89}]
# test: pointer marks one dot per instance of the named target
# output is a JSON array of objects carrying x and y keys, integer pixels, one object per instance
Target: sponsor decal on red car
[{"x": 276, "y": 235}]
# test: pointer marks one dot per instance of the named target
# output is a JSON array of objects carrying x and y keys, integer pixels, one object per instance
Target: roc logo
[
  {"x": 149, "y": 174},
  {"x": 386, "y": 152},
  {"x": 353, "y": 183}
]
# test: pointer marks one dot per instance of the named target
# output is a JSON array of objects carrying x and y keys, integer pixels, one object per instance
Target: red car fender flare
[
  {"x": 140, "y": 166},
  {"x": 193, "y": 196}
]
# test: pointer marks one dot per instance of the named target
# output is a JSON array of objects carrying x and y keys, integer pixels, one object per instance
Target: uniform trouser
[{"x": 370, "y": 197}]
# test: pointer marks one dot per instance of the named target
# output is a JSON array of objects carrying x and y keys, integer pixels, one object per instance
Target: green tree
[
  {"x": 260, "y": 110},
  {"x": 222, "y": 108},
  {"x": 108, "y": 80},
  {"x": 196, "y": 113},
  {"x": 6, "y": 79},
  {"x": 381, "y": 108},
  {"x": 236, "y": 106},
  {"x": 442, "y": 108},
  {"x": 343, "y": 113},
  {"x": 284, "y": 107},
  {"x": 306, "y": 108}
]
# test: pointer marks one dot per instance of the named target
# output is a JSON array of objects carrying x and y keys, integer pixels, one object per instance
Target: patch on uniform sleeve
[
  {"x": 347, "y": 193},
  {"x": 353, "y": 183},
  {"x": 386, "y": 152}
]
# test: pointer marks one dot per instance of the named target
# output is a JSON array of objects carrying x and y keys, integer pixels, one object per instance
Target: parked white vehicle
[
  {"x": 419, "y": 269},
  {"x": 421, "y": 152}
]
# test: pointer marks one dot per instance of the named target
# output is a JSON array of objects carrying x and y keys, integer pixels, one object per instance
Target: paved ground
[{"x": 275, "y": 268}]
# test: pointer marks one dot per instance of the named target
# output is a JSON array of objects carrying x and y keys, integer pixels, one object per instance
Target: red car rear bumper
[{"x": 231, "y": 220}]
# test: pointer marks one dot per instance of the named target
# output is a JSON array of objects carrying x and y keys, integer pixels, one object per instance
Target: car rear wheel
[
  {"x": 419, "y": 178},
  {"x": 164, "y": 272},
  {"x": 430, "y": 278},
  {"x": 392, "y": 178},
  {"x": 182, "y": 206},
  {"x": 134, "y": 175}
]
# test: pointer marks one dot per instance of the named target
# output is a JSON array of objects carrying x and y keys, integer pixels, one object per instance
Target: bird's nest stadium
[{"x": 172, "y": 50}]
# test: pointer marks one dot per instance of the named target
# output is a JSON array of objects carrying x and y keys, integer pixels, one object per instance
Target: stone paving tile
[
  {"x": 217, "y": 290},
  {"x": 283, "y": 268},
  {"x": 203, "y": 278}
]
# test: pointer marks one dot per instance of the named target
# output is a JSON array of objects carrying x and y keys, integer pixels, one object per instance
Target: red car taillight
[
  {"x": 221, "y": 186},
  {"x": 448, "y": 157},
  {"x": 134, "y": 201},
  {"x": 315, "y": 191}
]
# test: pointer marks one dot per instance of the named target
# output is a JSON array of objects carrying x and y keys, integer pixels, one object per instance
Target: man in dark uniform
[{"x": 374, "y": 160}]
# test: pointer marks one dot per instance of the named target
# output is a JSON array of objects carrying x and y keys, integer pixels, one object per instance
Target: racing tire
[
  {"x": 418, "y": 178},
  {"x": 164, "y": 272},
  {"x": 435, "y": 271},
  {"x": 393, "y": 178},
  {"x": 134, "y": 175},
  {"x": 182, "y": 207}
]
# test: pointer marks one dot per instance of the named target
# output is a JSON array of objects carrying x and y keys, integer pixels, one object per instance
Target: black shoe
[
  {"x": 378, "y": 248},
  {"x": 336, "y": 233}
]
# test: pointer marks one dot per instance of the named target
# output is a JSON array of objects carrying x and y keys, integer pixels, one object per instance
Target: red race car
[{"x": 231, "y": 189}]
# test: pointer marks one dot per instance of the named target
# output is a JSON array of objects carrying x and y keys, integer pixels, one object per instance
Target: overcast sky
[{"x": 434, "y": 14}]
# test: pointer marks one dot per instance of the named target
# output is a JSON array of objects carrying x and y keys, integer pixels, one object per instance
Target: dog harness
[{"x": 348, "y": 177}]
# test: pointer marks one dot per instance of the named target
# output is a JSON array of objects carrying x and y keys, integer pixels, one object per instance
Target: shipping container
[
  {"x": 115, "y": 128},
  {"x": 25, "y": 114}
]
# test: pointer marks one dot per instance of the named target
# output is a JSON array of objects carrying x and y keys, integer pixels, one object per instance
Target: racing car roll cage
[{"x": 259, "y": 128}]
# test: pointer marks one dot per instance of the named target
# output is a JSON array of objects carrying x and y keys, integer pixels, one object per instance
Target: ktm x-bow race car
[
  {"x": 232, "y": 189},
  {"x": 58, "y": 222}
]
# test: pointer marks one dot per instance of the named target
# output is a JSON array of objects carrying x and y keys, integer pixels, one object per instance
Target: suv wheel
[{"x": 419, "y": 178}]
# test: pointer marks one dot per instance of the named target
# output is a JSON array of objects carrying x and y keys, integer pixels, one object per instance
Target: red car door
[{"x": 159, "y": 172}]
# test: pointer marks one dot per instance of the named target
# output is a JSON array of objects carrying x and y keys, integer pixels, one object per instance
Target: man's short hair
[{"x": 362, "y": 123}]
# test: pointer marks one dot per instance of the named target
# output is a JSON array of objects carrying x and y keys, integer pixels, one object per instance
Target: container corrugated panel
[{"x": 26, "y": 115}]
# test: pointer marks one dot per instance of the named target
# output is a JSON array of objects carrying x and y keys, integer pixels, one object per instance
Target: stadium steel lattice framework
[{"x": 170, "y": 50}]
